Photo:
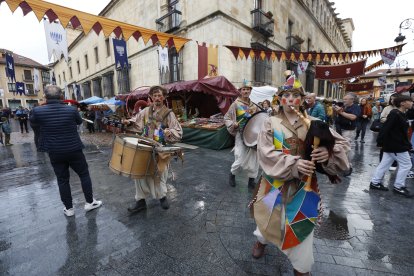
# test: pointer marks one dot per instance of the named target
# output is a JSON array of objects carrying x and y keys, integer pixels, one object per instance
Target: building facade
[
  {"x": 395, "y": 77},
  {"x": 293, "y": 25},
  {"x": 24, "y": 72}
]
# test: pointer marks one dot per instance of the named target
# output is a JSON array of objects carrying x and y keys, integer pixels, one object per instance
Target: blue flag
[
  {"x": 20, "y": 88},
  {"x": 10, "y": 67},
  {"x": 121, "y": 56}
]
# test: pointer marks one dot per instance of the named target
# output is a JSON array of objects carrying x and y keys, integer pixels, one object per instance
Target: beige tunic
[
  {"x": 150, "y": 186},
  {"x": 284, "y": 167},
  {"x": 245, "y": 157}
]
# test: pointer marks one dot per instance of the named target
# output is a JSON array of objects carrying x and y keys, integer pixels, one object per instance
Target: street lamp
[{"x": 405, "y": 25}]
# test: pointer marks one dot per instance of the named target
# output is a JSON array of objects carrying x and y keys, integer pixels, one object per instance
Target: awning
[
  {"x": 112, "y": 103},
  {"x": 92, "y": 100},
  {"x": 89, "y": 21},
  {"x": 216, "y": 86},
  {"x": 405, "y": 88}
]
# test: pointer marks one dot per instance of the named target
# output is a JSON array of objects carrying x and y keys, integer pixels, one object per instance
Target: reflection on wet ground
[{"x": 207, "y": 230}]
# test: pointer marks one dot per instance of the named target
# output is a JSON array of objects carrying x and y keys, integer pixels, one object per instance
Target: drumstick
[{"x": 89, "y": 121}]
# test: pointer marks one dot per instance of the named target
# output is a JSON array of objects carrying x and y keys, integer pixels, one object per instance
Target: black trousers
[
  {"x": 61, "y": 163},
  {"x": 361, "y": 128},
  {"x": 23, "y": 123}
]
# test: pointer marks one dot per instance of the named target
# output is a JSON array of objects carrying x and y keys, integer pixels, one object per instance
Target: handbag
[{"x": 375, "y": 125}]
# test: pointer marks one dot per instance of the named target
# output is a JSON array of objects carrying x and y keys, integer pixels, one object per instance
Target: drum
[
  {"x": 133, "y": 156},
  {"x": 252, "y": 128}
]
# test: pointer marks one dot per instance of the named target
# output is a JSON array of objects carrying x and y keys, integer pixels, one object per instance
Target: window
[
  {"x": 262, "y": 69},
  {"x": 96, "y": 54},
  {"x": 70, "y": 72},
  {"x": 175, "y": 73},
  {"x": 78, "y": 65},
  {"x": 45, "y": 77},
  {"x": 108, "y": 85},
  {"x": 108, "y": 47},
  {"x": 258, "y": 4},
  {"x": 27, "y": 75},
  {"x": 29, "y": 88},
  {"x": 123, "y": 80},
  {"x": 11, "y": 87},
  {"x": 96, "y": 87},
  {"x": 321, "y": 87},
  {"x": 289, "y": 31},
  {"x": 60, "y": 80},
  {"x": 86, "y": 62},
  {"x": 309, "y": 45},
  {"x": 64, "y": 76}
]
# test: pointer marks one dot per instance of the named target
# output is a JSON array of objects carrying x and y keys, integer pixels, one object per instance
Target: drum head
[
  {"x": 252, "y": 128},
  {"x": 135, "y": 141}
]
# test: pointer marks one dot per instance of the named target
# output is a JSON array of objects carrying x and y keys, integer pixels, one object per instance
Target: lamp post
[{"x": 404, "y": 25}]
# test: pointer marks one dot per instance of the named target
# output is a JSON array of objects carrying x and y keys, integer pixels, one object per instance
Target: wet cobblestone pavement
[{"x": 207, "y": 230}]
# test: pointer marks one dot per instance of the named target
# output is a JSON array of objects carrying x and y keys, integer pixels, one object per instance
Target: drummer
[
  {"x": 235, "y": 119},
  {"x": 159, "y": 123}
]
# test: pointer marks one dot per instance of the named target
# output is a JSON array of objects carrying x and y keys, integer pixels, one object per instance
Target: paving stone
[{"x": 207, "y": 231}]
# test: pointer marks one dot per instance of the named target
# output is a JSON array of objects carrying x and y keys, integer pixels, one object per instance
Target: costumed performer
[
  {"x": 235, "y": 119},
  {"x": 160, "y": 124},
  {"x": 286, "y": 206}
]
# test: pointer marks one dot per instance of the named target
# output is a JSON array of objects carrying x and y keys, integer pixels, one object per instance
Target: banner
[
  {"x": 361, "y": 86},
  {"x": 120, "y": 51},
  {"x": 388, "y": 57},
  {"x": 36, "y": 80},
  {"x": 10, "y": 73},
  {"x": 382, "y": 80},
  {"x": 163, "y": 59},
  {"x": 302, "y": 66},
  {"x": 341, "y": 71},
  {"x": 207, "y": 60},
  {"x": 55, "y": 40},
  {"x": 20, "y": 88}
]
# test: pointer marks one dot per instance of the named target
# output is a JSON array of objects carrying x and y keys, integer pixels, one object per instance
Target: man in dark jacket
[
  {"x": 394, "y": 141},
  {"x": 57, "y": 123}
]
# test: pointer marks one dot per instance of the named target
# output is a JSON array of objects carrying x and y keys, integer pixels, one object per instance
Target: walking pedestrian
[
  {"x": 59, "y": 137},
  {"x": 22, "y": 116},
  {"x": 363, "y": 119},
  {"x": 393, "y": 140}
]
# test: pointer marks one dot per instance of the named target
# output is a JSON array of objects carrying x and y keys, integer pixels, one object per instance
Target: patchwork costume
[
  {"x": 151, "y": 124},
  {"x": 286, "y": 209},
  {"x": 245, "y": 157}
]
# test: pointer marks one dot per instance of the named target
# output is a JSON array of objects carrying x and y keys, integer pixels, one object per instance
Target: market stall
[{"x": 200, "y": 106}]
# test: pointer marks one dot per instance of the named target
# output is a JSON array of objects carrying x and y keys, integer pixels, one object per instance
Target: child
[{"x": 5, "y": 127}]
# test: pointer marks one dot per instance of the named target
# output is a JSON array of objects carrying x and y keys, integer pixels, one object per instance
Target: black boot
[
  {"x": 232, "y": 180},
  {"x": 251, "y": 184},
  {"x": 139, "y": 206},
  {"x": 164, "y": 203}
]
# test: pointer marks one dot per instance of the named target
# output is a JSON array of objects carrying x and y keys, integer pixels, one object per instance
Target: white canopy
[{"x": 261, "y": 93}]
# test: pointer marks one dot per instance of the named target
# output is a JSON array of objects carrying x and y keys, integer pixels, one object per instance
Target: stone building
[
  {"x": 24, "y": 71},
  {"x": 294, "y": 25}
]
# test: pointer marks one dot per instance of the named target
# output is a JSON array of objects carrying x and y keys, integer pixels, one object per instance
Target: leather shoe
[
  {"x": 232, "y": 180},
  {"x": 258, "y": 250},
  {"x": 164, "y": 203},
  {"x": 139, "y": 206},
  {"x": 251, "y": 183}
]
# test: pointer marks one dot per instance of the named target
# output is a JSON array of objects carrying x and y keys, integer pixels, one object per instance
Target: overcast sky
[{"x": 376, "y": 26}]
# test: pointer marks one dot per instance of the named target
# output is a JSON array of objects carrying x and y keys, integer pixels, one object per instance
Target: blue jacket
[
  {"x": 58, "y": 127},
  {"x": 318, "y": 111}
]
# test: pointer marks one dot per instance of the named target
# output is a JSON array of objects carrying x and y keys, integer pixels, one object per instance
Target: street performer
[
  {"x": 159, "y": 123},
  {"x": 286, "y": 207},
  {"x": 235, "y": 119}
]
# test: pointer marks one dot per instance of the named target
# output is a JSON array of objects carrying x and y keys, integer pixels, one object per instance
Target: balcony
[
  {"x": 262, "y": 22},
  {"x": 170, "y": 22},
  {"x": 294, "y": 43}
]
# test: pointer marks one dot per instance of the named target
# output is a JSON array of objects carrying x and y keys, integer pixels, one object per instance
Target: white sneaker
[
  {"x": 393, "y": 168},
  {"x": 69, "y": 212},
  {"x": 410, "y": 175},
  {"x": 95, "y": 204}
]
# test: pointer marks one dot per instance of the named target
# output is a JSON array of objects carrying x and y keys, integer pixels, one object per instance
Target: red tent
[{"x": 218, "y": 88}]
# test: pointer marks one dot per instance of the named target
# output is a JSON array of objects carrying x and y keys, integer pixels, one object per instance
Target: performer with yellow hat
[{"x": 290, "y": 148}]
